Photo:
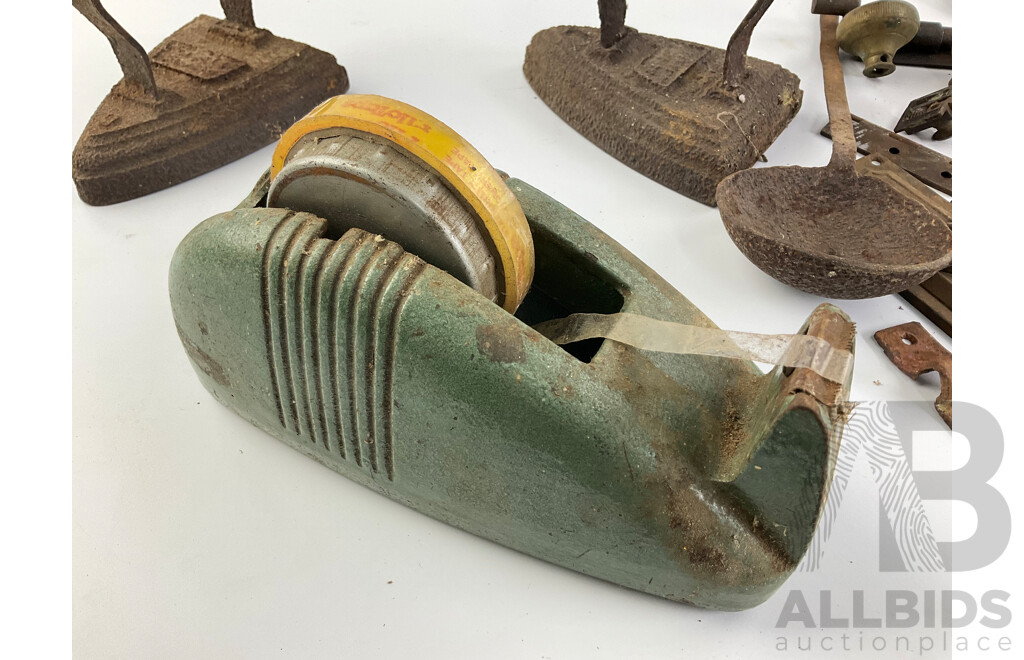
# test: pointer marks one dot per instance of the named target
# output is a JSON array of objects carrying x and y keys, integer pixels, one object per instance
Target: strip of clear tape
[{"x": 798, "y": 351}]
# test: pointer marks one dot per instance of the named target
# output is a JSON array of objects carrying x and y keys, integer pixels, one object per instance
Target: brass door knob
[{"x": 875, "y": 31}]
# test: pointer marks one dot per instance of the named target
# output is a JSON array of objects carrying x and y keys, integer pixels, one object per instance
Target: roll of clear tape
[{"x": 797, "y": 351}]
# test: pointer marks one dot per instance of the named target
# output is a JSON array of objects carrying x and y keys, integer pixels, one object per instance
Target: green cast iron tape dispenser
[{"x": 387, "y": 303}]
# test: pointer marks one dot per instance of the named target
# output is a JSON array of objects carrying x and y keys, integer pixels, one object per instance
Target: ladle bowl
[
  {"x": 825, "y": 230},
  {"x": 820, "y": 231}
]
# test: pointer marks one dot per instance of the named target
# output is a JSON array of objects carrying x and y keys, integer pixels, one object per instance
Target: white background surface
[{"x": 197, "y": 535}]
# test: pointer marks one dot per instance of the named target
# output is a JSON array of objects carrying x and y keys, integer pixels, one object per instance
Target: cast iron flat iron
[
  {"x": 694, "y": 478},
  {"x": 684, "y": 114},
  {"x": 209, "y": 94}
]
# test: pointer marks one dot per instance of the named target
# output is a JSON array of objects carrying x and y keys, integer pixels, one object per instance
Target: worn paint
[{"x": 696, "y": 479}]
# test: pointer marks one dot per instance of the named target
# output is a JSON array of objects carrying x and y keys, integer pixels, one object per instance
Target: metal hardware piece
[
  {"x": 835, "y": 7},
  {"x": 875, "y": 31},
  {"x": 932, "y": 47},
  {"x": 933, "y": 110},
  {"x": 926, "y": 164},
  {"x": 826, "y": 230},
  {"x": 943, "y": 60},
  {"x": 915, "y": 352},
  {"x": 684, "y": 114},
  {"x": 934, "y": 296},
  {"x": 210, "y": 93},
  {"x": 882, "y": 168},
  {"x": 934, "y": 299}
]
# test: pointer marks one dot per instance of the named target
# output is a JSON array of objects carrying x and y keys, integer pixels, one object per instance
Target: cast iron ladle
[{"x": 825, "y": 230}]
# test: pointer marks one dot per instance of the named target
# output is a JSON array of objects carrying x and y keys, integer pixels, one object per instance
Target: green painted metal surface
[{"x": 693, "y": 478}]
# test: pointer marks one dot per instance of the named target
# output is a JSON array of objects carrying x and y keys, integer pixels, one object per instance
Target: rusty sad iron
[
  {"x": 212, "y": 92},
  {"x": 694, "y": 478},
  {"x": 682, "y": 113}
]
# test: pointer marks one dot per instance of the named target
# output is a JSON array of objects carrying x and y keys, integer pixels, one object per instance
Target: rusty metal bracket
[
  {"x": 926, "y": 164},
  {"x": 933, "y": 110},
  {"x": 915, "y": 352}
]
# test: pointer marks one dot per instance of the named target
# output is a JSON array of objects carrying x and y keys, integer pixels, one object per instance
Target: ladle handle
[
  {"x": 736, "y": 51},
  {"x": 844, "y": 144}
]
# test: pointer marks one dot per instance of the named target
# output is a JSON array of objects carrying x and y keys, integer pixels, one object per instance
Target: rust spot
[
  {"x": 202, "y": 360},
  {"x": 561, "y": 390},
  {"x": 708, "y": 556},
  {"x": 500, "y": 343},
  {"x": 915, "y": 352}
]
